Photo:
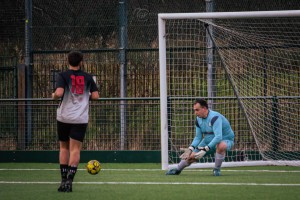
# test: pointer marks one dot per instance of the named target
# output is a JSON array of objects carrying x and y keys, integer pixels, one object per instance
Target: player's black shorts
[{"x": 74, "y": 131}]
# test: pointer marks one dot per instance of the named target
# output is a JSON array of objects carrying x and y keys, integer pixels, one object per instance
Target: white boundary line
[
  {"x": 186, "y": 170},
  {"x": 154, "y": 183}
]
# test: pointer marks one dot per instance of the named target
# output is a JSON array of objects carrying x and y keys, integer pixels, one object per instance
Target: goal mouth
[{"x": 246, "y": 64}]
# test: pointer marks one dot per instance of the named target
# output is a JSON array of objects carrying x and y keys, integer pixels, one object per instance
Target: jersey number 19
[{"x": 77, "y": 84}]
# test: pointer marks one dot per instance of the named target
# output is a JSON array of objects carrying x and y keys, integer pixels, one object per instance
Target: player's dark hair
[
  {"x": 74, "y": 58},
  {"x": 202, "y": 102}
]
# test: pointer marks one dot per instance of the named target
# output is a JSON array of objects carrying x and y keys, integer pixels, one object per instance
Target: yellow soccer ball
[{"x": 93, "y": 167}]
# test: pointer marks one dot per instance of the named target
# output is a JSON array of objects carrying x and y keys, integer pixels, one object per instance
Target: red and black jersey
[{"x": 74, "y": 107}]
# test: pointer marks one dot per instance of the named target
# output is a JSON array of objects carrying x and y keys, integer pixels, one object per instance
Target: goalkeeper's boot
[
  {"x": 68, "y": 185},
  {"x": 217, "y": 172},
  {"x": 61, "y": 188},
  {"x": 173, "y": 172}
]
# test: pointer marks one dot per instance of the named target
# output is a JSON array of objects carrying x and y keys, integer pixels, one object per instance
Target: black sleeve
[
  {"x": 93, "y": 86},
  {"x": 60, "y": 82}
]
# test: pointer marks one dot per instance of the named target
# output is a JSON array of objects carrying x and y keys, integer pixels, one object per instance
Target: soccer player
[
  {"x": 213, "y": 133},
  {"x": 75, "y": 88}
]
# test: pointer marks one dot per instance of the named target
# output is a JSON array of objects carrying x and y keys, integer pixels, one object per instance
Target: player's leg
[
  {"x": 221, "y": 149},
  {"x": 185, "y": 163},
  {"x": 182, "y": 164},
  {"x": 176, "y": 171},
  {"x": 76, "y": 138},
  {"x": 75, "y": 147},
  {"x": 63, "y": 137},
  {"x": 63, "y": 161}
]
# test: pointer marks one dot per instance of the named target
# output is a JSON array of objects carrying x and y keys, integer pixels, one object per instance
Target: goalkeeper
[{"x": 213, "y": 133}]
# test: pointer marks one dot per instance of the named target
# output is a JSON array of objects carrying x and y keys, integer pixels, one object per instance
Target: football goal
[{"x": 247, "y": 66}]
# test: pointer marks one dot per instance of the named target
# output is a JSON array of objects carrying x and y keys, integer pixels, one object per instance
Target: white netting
[
  {"x": 264, "y": 69},
  {"x": 251, "y": 75}
]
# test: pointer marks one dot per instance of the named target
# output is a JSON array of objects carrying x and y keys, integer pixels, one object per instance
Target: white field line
[
  {"x": 187, "y": 170},
  {"x": 154, "y": 183}
]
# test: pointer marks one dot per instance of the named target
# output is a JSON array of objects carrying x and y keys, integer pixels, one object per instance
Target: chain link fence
[{"x": 103, "y": 133}]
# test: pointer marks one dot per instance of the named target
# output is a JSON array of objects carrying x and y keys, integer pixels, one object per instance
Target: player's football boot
[
  {"x": 216, "y": 172},
  {"x": 173, "y": 172},
  {"x": 61, "y": 188},
  {"x": 68, "y": 186}
]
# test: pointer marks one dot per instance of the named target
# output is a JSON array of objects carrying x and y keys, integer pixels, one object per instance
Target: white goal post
[{"x": 246, "y": 64}]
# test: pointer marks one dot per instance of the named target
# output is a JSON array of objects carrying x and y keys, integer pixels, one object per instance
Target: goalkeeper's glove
[
  {"x": 202, "y": 152},
  {"x": 187, "y": 152},
  {"x": 206, "y": 148}
]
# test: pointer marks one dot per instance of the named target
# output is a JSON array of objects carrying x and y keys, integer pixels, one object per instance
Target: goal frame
[{"x": 162, "y": 17}]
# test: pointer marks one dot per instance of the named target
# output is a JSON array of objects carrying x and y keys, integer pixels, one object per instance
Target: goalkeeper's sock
[
  {"x": 219, "y": 159},
  {"x": 183, "y": 164},
  {"x": 71, "y": 173}
]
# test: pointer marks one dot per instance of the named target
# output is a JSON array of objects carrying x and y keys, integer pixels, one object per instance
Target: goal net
[{"x": 247, "y": 65}]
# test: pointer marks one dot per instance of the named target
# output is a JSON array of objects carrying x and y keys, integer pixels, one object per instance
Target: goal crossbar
[{"x": 230, "y": 15}]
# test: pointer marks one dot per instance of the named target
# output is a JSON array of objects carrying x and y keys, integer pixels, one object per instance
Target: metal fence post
[
  {"x": 123, "y": 67},
  {"x": 21, "y": 119},
  {"x": 28, "y": 63}
]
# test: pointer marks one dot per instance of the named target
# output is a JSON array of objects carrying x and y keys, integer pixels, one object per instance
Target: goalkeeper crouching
[{"x": 213, "y": 133}]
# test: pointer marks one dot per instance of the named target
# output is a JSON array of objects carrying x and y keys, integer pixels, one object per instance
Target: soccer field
[{"x": 147, "y": 181}]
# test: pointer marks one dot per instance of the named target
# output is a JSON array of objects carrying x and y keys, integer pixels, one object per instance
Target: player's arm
[
  {"x": 196, "y": 141},
  {"x": 94, "y": 95},
  {"x": 197, "y": 138},
  {"x": 217, "y": 129},
  {"x": 59, "y": 92},
  {"x": 60, "y": 85},
  {"x": 94, "y": 91}
]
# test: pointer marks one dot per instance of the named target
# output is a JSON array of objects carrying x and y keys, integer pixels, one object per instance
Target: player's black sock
[
  {"x": 71, "y": 173},
  {"x": 64, "y": 171}
]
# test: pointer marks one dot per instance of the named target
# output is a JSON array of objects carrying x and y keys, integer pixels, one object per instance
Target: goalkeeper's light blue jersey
[{"x": 212, "y": 130}]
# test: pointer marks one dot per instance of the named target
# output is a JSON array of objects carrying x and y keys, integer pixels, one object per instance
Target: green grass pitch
[{"x": 148, "y": 181}]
